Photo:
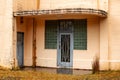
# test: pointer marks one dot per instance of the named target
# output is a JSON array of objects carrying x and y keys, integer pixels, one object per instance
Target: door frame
[
  {"x": 64, "y": 64},
  {"x": 22, "y": 49}
]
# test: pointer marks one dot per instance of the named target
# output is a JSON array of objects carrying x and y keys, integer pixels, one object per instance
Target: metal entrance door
[
  {"x": 65, "y": 44},
  {"x": 20, "y": 49},
  {"x": 65, "y": 50}
]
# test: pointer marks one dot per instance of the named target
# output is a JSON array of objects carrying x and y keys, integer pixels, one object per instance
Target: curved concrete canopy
[{"x": 87, "y": 11}]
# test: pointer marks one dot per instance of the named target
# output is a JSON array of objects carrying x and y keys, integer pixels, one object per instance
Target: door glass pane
[
  {"x": 65, "y": 48},
  {"x": 65, "y": 26}
]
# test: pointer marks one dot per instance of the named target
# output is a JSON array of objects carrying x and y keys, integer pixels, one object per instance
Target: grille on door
[{"x": 65, "y": 48}]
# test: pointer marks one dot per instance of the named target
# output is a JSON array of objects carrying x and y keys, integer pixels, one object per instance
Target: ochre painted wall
[
  {"x": 82, "y": 59},
  {"x": 27, "y": 28},
  {"x": 104, "y": 44},
  {"x": 114, "y": 34},
  {"x": 110, "y": 38},
  {"x": 61, "y": 4},
  {"x": 45, "y": 57},
  {"x": 48, "y": 57},
  {"x": 20, "y": 5},
  {"x": 6, "y": 28}
]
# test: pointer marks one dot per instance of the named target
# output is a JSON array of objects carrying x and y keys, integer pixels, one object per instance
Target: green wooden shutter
[
  {"x": 50, "y": 34},
  {"x": 80, "y": 34}
]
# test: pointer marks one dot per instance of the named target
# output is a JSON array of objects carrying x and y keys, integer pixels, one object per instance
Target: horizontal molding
[
  {"x": 79, "y": 60},
  {"x": 83, "y": 60},
  {"x": 46, "y": 59},
  {"x": 109, "y": 60}
]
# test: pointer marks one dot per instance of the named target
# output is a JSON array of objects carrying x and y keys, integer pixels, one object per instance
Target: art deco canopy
[{"x": 88, "y": 11}]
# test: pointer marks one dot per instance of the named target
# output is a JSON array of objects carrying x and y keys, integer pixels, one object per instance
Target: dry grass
[
  {"x": 95, "y": 65},
  {"x": 37, "y": 75}
]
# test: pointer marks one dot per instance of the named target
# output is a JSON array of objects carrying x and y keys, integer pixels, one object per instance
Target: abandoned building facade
[{"x": 60, "y": 33}]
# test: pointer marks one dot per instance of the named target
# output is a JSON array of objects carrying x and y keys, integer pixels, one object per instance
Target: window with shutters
[
  {"x": 50, "y": 34},
  {"x": 80, "y": 34}
]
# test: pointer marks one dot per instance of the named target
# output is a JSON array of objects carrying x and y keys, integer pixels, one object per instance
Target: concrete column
[{"x": 6, "y": 52}]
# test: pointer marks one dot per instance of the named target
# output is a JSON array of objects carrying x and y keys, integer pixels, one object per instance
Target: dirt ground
[{"x": 42, "y": 75}]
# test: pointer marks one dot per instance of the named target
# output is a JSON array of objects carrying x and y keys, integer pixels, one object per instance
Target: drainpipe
[{"x": 34, "y": 43}]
